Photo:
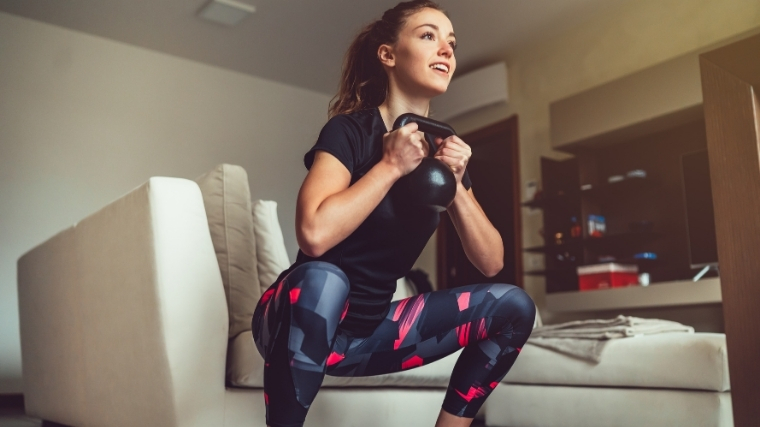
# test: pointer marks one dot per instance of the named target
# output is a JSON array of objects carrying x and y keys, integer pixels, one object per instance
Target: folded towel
[
  {"x": 585, "y": 349},
  {"x": 585, "y": 339}
]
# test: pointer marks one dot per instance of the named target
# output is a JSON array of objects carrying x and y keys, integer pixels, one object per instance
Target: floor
[{"x": 16, "y": 418}]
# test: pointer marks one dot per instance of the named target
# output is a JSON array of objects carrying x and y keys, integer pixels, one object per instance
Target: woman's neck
[{"x": 394, "y": 106}]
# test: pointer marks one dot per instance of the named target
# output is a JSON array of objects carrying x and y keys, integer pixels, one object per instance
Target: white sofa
[{"x": 126, "y": 320}]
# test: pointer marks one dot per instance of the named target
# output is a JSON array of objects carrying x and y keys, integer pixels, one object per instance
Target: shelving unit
[
  {"x": 656, "y": 198},
  {"x": 643, "y": 121},
  {"x": 678, "y": 293}
]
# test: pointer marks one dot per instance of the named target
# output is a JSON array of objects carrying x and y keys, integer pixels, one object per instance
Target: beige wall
[
  {"x": 83, "y": 120},
  {"x": 621, "y": 41}
]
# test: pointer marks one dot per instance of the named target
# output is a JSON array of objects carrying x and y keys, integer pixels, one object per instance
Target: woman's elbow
[
  {"x": 311, "y": 251},
  {"x": 310, "y": 243},
  {"x": 493, "y": 269}
]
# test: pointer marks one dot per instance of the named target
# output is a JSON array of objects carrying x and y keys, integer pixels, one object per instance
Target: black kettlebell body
[{"x": 432, "y": 183}]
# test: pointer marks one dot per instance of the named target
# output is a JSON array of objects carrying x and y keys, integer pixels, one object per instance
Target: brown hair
[{"x": 364, "y": 83}]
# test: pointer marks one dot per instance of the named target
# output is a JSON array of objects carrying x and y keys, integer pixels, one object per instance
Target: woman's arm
[
  {"x": 481, "y": 241},
  {"x": 328, "y": 210}
]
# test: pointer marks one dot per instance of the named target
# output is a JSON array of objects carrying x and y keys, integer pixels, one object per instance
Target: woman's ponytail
[{"x": 364, "y": 83}]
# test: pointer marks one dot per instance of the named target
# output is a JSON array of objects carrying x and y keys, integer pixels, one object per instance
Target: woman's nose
[{"x": 446, "y": 50}]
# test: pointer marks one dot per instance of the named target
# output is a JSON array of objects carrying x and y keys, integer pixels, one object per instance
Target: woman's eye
[
  {"x": 428, "y": 36},
  {"x": 453, "y": 45}
]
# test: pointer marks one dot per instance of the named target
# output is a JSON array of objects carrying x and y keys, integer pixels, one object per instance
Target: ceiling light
[{"x": 226, "y": 12}]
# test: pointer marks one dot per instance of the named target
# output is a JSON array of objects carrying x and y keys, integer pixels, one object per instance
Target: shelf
[
  {"x": 598, "y": 242},
  {"x": 621, "y": 239},
  {"x": 552, "y": 201},
  {"x": 663, "y": 294},
  {"x": 569, "y": 244},
  {"x": 642, "y": 263},
  {"x": 552, "y": 272},
  {"x": 621, "y": 188}
]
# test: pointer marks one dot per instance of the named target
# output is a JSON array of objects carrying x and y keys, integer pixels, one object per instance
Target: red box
[{"x": 605, "y": 276}]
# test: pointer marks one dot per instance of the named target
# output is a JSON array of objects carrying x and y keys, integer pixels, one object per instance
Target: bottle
[{"x": 575, "y": 228}]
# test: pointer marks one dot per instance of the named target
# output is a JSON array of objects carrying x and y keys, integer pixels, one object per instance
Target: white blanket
[{"x": 585, "y": 339}]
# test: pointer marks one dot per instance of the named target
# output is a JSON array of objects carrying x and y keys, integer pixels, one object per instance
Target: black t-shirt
[{"x": 386, "y": 245}]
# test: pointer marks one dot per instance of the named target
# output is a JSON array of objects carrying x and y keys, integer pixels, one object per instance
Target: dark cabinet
[{"x": 645, "y": 212}]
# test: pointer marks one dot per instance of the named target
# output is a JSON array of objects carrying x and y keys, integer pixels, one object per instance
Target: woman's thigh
[
  {"x": 311, "y": 299},
  {"x": 427, "y": 327}
]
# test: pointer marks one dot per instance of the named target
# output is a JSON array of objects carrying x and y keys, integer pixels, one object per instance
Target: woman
[{"x": 330, "y": 312}]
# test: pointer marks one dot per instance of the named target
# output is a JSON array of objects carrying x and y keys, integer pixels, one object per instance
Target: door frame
[
  {"x": 507, "y": 126},
  {"x": 730, "y": 87}
]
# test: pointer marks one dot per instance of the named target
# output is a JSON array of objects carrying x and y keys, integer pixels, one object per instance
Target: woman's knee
[{"x": 515, "y": 303}]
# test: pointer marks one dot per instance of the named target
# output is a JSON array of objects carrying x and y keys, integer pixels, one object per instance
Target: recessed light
[{"x": 226, "y": 12}]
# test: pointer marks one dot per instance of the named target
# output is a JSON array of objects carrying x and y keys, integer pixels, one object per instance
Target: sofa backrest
[
  {"x": 271, "y": 256},
  {"x": 227, "y": 199},
  {"x": 247, "y": 239}
]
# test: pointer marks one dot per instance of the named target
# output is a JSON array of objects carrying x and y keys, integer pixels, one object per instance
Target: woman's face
[{"x": 423, "y": 56}]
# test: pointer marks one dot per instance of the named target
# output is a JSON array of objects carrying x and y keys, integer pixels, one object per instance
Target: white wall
[
  {"x": 619, "y": 41},
  {"x": 84, "y": 119}
]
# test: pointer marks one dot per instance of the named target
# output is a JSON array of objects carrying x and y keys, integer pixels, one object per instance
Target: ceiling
[{"x": 302, "y": 42}]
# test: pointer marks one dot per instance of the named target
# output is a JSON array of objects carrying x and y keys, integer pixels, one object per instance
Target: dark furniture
[{"x": 642, "y": 214}]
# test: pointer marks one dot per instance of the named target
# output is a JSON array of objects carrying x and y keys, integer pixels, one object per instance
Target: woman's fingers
[
  {"x": 416, "y": 141},
  {"x": 456, "y": 144},
  {"x": 453, "y": 161},
  {"x": 409, "y": 128},
  {"x": 455, "y": 153}
]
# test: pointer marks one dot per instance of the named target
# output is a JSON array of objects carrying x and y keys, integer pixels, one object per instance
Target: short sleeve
[{"x": 339, "y": 137}]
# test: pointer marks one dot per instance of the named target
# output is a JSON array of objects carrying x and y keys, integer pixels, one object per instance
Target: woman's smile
[{"x": 441, "y": 67}]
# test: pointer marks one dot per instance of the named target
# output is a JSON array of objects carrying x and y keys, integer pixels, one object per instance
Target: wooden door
[
  {"x": 495, "y": 174},
  {"x": 730, "y": 87}
]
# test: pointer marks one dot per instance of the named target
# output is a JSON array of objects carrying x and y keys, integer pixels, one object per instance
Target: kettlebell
[{"x": 431, "y": 183}]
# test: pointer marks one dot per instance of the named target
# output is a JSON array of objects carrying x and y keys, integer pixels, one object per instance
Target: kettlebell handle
[{"x": 426, "y": 125}]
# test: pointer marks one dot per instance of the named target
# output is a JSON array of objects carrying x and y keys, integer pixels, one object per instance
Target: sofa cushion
[
  {"x": 567, "y": 406},
  {"x": 669, "y": 360},
  {"x": 404, "y": 289},
  {"x": 271, "y": 256},
  {"x": 227, "y": 199}
]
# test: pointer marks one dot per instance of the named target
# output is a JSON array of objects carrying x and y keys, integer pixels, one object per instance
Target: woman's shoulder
[
  {"x": 351, "y": 138},
  {"x": 362, "y": 121}
]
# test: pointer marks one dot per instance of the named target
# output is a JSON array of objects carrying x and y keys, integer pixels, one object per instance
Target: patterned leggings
[{"x": 295, "y": 327}]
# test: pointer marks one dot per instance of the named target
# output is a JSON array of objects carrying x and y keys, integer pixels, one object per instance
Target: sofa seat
[
  {"x": 670, "y": 360},
  {"x": 245, "y": 368},
  {"x": 650, "y": 361},
  {"x": 528, "y": 405}
]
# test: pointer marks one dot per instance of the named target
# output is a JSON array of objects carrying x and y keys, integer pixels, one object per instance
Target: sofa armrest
[{"x": 123, "y": 315}]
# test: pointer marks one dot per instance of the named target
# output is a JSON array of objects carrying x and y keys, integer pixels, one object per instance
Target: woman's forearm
[
  {"x": 342, "y": 213},
  {"x": 481, "y": 241}
]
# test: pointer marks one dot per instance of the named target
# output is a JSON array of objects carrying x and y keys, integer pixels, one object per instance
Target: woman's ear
[{"x": 385, "y": 55}]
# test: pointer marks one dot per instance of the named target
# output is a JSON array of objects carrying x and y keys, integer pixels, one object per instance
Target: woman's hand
[
  {"x": 403, "y": 148},
  {"x": 455, "y": 153}
]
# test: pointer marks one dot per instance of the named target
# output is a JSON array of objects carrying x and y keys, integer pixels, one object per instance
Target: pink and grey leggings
[{"x": 295, "y": 327}]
